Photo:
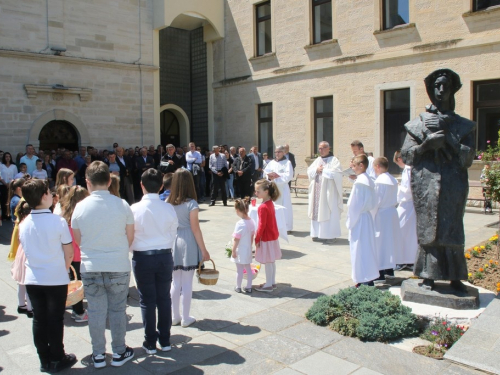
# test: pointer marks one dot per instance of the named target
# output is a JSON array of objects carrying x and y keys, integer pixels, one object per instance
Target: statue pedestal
[{"x": 443, "y": 295}]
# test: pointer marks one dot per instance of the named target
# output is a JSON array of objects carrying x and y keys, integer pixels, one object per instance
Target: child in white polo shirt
[{"x": 46, "y": 240}]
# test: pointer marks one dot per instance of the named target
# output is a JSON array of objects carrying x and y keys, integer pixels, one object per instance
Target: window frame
[
  {"x": 314, "y": 4},
  {"x": 474, "y": 7},
  {"x": 317, "y": 115},
  {"x": 383, "y": 9},
  {"x": 261, "y": 120},
  {"x": 476, "y": 104},
  {"x": 258, "y": 21}
]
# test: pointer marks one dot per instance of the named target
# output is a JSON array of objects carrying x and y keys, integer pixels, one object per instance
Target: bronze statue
[{"x": 440, "y": 146}]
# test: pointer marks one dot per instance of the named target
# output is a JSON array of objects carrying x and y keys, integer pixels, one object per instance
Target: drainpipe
[{"x": 140, "y": 73}]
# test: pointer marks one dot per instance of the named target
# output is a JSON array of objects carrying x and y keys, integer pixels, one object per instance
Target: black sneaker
[
  {"x": 67, "y": 361},
  {"x": 121, "y": 359},
  {"x": 150, "y": 349},
  {"x": 45, "y": 367},
  {"x": 99, "y": 360}
]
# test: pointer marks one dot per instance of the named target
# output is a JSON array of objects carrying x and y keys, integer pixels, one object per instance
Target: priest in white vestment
[
  {"x": 385, "y": 217},
  {"x": 280, "y": 171},
  {"x": 407, "y": 253},
  {"x": 325, "y": 195},
  {"x": 360, "y": 224}
]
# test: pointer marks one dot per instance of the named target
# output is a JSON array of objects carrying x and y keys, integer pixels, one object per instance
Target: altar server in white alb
[
  {"x": 325, "y": 195},
  {"x": 360, "y": 224},
  {"x": 385, "y": 218},
  {"x": 280, "y": 171},
  {"x": 407, "y": 253}
]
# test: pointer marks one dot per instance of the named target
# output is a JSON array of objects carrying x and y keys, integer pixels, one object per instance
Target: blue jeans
[
  {"x": 229, "y": 186},
  {"x": 106, "y": 294},
  {"x": 153, "y": 274}
]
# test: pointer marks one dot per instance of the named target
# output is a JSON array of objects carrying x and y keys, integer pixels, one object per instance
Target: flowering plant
[
  {"x": 442, "y": 334},
  {"x": 229, "y": 249}
]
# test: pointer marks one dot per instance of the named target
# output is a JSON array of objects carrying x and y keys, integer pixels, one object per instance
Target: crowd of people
[{"x": 73, "y": 204}]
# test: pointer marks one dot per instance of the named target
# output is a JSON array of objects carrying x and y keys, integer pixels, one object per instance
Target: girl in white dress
[{"x": 243, "y": 234}]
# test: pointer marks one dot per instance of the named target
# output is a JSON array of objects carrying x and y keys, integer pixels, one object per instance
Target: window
[
  {"x": 263, "y": 28},
  {"x": 396, "y": 115},
  {"x": 487, "y": 112},
  {"x": 266, "y": 129},
  {"x": 484, "y": 4},
  {"x": 323, "y": 120},
  {"x": 395, "y": 13},
  {"x": 322, "y": 20}
]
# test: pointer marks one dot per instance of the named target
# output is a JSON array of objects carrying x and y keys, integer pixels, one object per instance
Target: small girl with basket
[
  {"x": 266, "y": 239},
  {"x": 68, "y": 204},
  {"x": 242, "y": 245}
]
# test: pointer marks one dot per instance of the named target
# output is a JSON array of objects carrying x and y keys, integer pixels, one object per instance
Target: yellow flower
[
  {"x": 483, "y": 247},
  {"x": 470, "y": 275},
  {"x": 486, "y": 266},
  {"x": 491, "y": 261},
  {"x": 467, "y": 256},
  {"x": 476, "y": 248}
]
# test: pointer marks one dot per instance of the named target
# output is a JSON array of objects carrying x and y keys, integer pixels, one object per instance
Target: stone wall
[
  {"x": 355, "y": 70},
  {"x": 102, "y": 55}
]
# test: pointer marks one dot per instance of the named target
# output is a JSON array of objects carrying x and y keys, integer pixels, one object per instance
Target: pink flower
[
  {"x": 488, "y": 141},
  {"x": 480, "y": 157}
]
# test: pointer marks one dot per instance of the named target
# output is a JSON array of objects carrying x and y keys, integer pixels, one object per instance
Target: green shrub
[{"x": 364, "y": 312}]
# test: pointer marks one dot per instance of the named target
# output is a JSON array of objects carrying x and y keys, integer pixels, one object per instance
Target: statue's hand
[{"x": 435, "y": 141}]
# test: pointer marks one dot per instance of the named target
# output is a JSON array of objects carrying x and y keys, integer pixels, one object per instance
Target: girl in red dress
[{"x": 266, "y": 239}]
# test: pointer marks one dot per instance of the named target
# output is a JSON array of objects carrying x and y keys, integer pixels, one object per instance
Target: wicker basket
[
  {"x": 207, "y": 277},
  {"x": 75, "y": 290},
  {"x": 254, "y": 275}
]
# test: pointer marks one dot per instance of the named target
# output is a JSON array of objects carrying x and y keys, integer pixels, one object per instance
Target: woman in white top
[{"x": 7, "y": 172}]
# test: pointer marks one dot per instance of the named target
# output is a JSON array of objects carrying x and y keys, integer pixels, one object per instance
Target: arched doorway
[
  {"x": 169, "y": 128},
  {"x": 58, "y": 134}
]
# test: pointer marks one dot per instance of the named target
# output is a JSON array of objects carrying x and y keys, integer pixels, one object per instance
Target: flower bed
[
  {"x": 442, "y": 335},
  {"x": 483, "y": 265}
]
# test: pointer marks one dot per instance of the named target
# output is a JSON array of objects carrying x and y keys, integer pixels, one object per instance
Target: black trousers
[
  {"x": 78, "y": 307},
  {"x": 49, "y": 304},
  {"x": 153, "y": 274},
  {"x": 245, "y": 187},
  {"x": 4, "y": 192},
  {"x": 218, "y": 182}
]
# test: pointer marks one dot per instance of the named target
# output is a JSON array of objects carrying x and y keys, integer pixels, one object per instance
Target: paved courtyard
[{"x": 237, "y": 333}]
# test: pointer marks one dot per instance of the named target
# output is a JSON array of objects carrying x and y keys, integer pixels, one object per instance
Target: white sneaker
[
  {"x": 176, "y": 322},
  {"x": 99, "y": 360},
  {"x": 188, "y": 322},
  {"x": 121, "y": 359}
]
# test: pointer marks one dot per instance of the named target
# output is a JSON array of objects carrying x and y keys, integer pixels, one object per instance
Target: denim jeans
[
  {"x": 49, "y": 305},
  {"x": 153, "y": 274},
  {"x": 229, "y": 186},
  {"x": 106, "y": 294}
]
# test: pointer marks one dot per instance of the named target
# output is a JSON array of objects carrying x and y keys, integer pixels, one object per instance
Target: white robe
[
  {"x": 361, "y": 230},
  {"x": 330, "y": 205},
  {"x": 284, "y": 169},
  {"x": 407, "y": 252},
  {"x": 385, "y": 217}
]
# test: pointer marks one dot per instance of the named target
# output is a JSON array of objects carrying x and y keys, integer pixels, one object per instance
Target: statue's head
[{"x": 441, "y": 85}]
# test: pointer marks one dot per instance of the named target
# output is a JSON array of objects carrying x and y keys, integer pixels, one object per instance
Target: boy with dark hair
[
  {"x": 360, "y": 225},
  {"x": 385, "y": 216},
  {"x": 47, "y": 243},
  {"x": 39, "y": 172},
  {"x": 103, "y": 226},
  {"x": 155, "y": 231},
  {"x": 22, "y": 171}
]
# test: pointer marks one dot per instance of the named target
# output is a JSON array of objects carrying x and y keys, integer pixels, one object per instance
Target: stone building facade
[{"x": 371, "y": 74}]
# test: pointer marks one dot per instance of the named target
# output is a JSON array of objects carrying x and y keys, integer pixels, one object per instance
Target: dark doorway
[
  {"x": 396, "y": 115},
  {"x": 487, "y": 112},
  {"x": 58, "y": 134},
  {"x": 169, "y": 129}
]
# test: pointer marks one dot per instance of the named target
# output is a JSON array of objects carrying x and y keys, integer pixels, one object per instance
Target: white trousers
[
  {"x": 239, "y": 275},
  {"x": 270, "y": 274},
  {"x": 182, "y": 288}
]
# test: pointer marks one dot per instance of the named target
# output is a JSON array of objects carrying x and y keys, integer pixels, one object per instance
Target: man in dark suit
[
  {"x": 126, "y": 171},
  {"x": 243, "y": 169},
  {"x": 258, "y": 164},
  {"x": 290, "y": 157},
  {"x": 170, "y": 162},
  {"x": 143, "y": 162}
]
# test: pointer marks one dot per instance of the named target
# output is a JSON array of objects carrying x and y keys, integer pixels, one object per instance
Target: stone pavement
[{"x": 237, "y": 333}]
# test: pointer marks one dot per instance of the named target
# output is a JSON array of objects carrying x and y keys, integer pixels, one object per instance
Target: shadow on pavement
[
  {"x": 291, "y": 254},
  {"x": 300, "y": 234},
  {"x": 4, "y": 317},
  {"x": 210, "y": 295}
]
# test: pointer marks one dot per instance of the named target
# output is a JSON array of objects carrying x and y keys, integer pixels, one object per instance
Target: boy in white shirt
[
  {"x": 360, "y": 225},
  {"x": 155, "y": 230},
  {"x": 385, "y": 216},
  {"x": 39, "y": 173},
  {"x": 22, "y": 171}
]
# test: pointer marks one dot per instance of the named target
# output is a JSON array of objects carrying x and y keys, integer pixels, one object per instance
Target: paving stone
[
  {"x": 312, "y": 335},
  {"x": 493, "y": 308},
  {"x": 365, "y": 371},
  {"x": 241, "y": 334},
  {"x": 459, "y": 370},
  {"x": 468, "y": 355},
  {"x": 384, "y": 358},
  {"x": 281, "y": 349},
  {"x": 480, "y": 339},
  {"x": 322, "y": 363},
  {"x": 288, "y": 371},
  {"x": 272, "y": 320},
  {"x": 487, "y": 323}
]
